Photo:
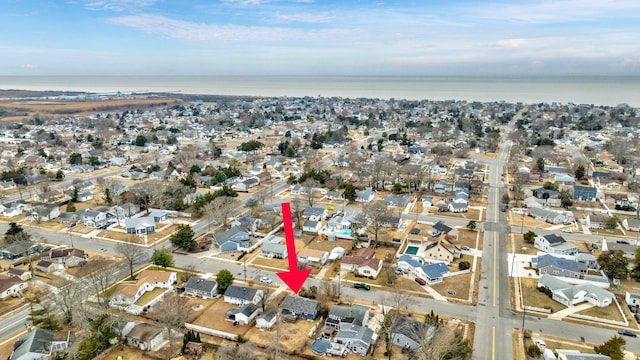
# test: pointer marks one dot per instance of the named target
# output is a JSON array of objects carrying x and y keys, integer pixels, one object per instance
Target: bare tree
[
  {"x": 210, "y": 213},
  {"x": 375, "y": 215},
  {"x": 296, "y": 208},
  {"x": 246, "y": 351},
  {"x": 224, "y": 207},
  {"x": 439, "y": 341},
  {"x": 100, "y": 279},
  {"x": 70, "y": 301},
  {"x": 172, "y": 313},
  {"x": 309, "y": 186},
  {"x": 133, "y": 254}
]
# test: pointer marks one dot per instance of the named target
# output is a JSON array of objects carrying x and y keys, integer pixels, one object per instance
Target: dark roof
[
  {"x": 200, "y": 284},
  {"x": 241, "y": 292},
  {"x": 440, "y": 226},
  {"x": 268, "y": 315},
  {"x": 350, "y": 314},
  {"x": 560, "y": 263},
  {"x": 223, "y": 236},
  {"x": 412, "y": 329},
  {"x": 554, "y": 239},
  {"x": 300, "y": 305},
  {"x": 37, "y": 341}
]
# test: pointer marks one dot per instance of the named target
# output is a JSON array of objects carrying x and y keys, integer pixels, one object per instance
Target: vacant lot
[
  {"x": 214, "y": 316},
  {"x": 294, "y": 337}
]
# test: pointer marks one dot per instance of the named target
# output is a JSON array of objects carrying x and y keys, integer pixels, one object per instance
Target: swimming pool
[
  {"x": 412, "y": 250},
  {"x": 320, "y": 346}
]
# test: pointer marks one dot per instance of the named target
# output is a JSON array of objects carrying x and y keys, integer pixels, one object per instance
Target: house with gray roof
[
  {"x": 365, "y": 196},
  {"x": 557, "y": 266},
  {"x": 273, "y": 250},
  {"x": 243, "y": 315},
  {"x": 410, "y": 334},
  {"x": 396, "y": 200},
  {"x": 357, "y": 338},
  {"x": 94, "y": 218},
  {"x": 232, "y": 239},
  {"x": 577, "y": 355},
  {"x": 140, "y": 226},
  {"x": 40, "y": 344},
  {"x": 19, "y": 249},
  {"x": 241, "y": 295},
  {"x": 335, "y": 195},
  {"x": 584, "y": 193},
  {"x": 340, "y": 316},
  {"x": 554, "y": 244},
  {"x": 551, "y": 216},
  {"x": 267, "y": 319},
  {"x": 570, "y": 295},
  {"x": 204, "y": 288},
  {"x": 432, "y": 273},
  {"x": 301, "y": 307},
  {"x": 314, "y": 213}
]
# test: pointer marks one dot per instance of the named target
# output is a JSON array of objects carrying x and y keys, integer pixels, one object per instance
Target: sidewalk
[{"x": 568, "y": 311}]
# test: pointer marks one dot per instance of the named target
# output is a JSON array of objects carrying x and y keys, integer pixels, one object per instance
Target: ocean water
[{"x": 597, "y": 90}]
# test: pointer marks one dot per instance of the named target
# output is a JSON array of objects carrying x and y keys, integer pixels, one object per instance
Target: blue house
[
  {"x": 141, "y": 225},
  {"x": 232, "y": 239},
  {"x": 159, "y": 215},
  {"x": 584, "y": 193},
  {"x": 301, "y": 307},
  {"x": 19, "y": 249}
]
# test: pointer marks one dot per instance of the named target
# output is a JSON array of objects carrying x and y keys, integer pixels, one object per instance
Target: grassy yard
[
  {"x": 610, "y": 312},
  {"x": 149, "y": 295},
  {"x": 533, "y": 297},
  {"x": 162, "y": 233}
]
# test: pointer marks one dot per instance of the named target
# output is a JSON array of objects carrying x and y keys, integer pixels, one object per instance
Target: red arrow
[{"x": 294, "y": 278}]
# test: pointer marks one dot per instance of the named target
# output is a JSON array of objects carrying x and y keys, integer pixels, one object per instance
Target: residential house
[
  {"x": 21, "y": 274},
  {"x": 301, "y": 307},
  {"x": 365, "y": 196},
  {"x": 396, "y": 200},
  {"x": 298, "y": 190},
  {"x": 632, "y": 299},
  {"x": 69, "y": 257},
  {"x": 570, "y": 295},
  {"x": 442, "y": 250},
  {"x": 146, "y": 337},
  {"x": 364, "y": 262},
  {"x": 357, "y": 338},
  {"x": 628, "y": 250},
  {"x": 565, "y": 179},
  {"x": 441, "y": 228},
  {"x": 272, "y": 249},
  {"x": 40, "y": 344},
  {"x": 410, "y": 334},
  {"x": 241, "y": 295},
  {"x": 243, "y": 315},
  {"x": 246, "y": 184},
  {"x": 458, "y": 207},
  {"x": 432, "y": 273},
  {"x": 577, "y": 355},
  {"x": 307, "y": 255},
  {"x": 84, "y": 196},
  {"x": 125, "y": 210},
  {"x": 127, "y": 294},
  {"x": 554, "y": 244},
  {"x": 14, "y": 208},
  {"x": 427, "y": 201},
  {"x": 631, "y": 224},
  {"x": 341, "y": 315},
  {"x": 44, "y": 213},
  {"x": 140, "y": 225},
  {"x": 232, "y": 239},
  {"x": 557, "y": 266},
  {"x": 11, "y": 286},
  {"x": 315, "y": 213},
  {"x": 550, "y": 216},
  {"x": 335, "y": 195},
  {"x": 267, "y": 319},
  {"x": 48, "y": 266},
  {"x": 94, "y": 218},
  {"x": 584, "y": 193},
  {"x": 596, "y": 221},
  {"x": 204, "y": 288},
  {"x": 19, "y": 249},
  {"x": 159, "y": 215},
  {"x": 311, "y": 226}
]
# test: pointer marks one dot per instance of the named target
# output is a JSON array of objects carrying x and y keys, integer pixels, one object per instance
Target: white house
[
  {"x": 204, "y": 288},
  {"x": 364, "y": 262},
  {"x": 554, "y": 244},
  {"x": 241, "y": 295},
  {"x": 311, "y": 226},
  {"x": 128, "y": 293},
  {"x": 311, "y": 255},
  {"x": 365, "y": 196},
  {"x": 94, "y": 219},
  {"x": 267, "y": 319},
  {"x": 569, "y": 295},
  {"x": 11, "y": 286}
]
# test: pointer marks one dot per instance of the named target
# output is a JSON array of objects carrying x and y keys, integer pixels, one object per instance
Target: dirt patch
[
  {"x": 282, "y": 264},
  {"x": 326, "y": 245},
  {"x": 214, "y": 316}
]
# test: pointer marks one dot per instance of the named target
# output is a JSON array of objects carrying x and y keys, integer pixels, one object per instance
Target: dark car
[
  {"x": 421, "y": 281},
  {"x": 637, "y": 317},
  {"x": 362, "y": 286},
  {"x": 627, "y": 332}
]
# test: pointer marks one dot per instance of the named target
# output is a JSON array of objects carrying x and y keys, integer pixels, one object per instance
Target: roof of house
[
  {"x": 200, "y": 284},
  {"x": 268, "y": 315},
  {"x": 301, "y": 305},
  {"x": 6, "y": 282},
  {"x": 19, "y": 247},
  {"x": 554, "y": 239},
  {"x": 310, "y": 223},
  {"x": 306, "y": 252},
  {"x": 144, "y": 331},
  {"x": 434, "y": 271},
  {"x": 440, "y": 226},
  {"x": 356, "y": 332},
  {"x": 146, "y": 276},
  {"x": 410, "y": 328},
  {"x": 313, "y": 211},
  {"x": 354, "y": 314},
  {"x": 44, "y": 263},
  {"x": 269, "y": 247},
  {"x": 241, "y": 292},
  {"x": 145, "y": 221},
  {"x": 36, "y": 341},
  {"x": 222, "y": 236},
  {"x": 557, "y": 262}
]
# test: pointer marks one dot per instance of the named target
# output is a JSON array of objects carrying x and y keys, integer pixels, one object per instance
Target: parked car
[
  {"x": 465, "y": 248},
  {"x": 637, "y": 317},
  {"x": 627, "y": 333},
  {"x": 567, "y": 231},
  {"x": 421, "y": 281},
  {"x": 362, "y": 286},
  {"x": 594, "y": 246},
  {"x": 266, "y": 280}
]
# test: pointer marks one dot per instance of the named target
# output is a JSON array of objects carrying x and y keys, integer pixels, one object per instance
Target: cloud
[
  {"x": 119, "y": 5},
  {"x": 213, "y": 33},
  {"x": 305, "y": 18},
  {"x": 30, "y": 67}
]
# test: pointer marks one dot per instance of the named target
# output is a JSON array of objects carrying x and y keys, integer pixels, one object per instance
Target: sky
[{"x": 315, "y": 37}]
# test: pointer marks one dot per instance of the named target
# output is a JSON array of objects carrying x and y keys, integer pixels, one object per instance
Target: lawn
[
  {"x": 149, "y": 295},
  {"x": 10, "y": 303},
  {"x": 327, "y": 246},
  {"x": 162, "y": 233},
  {"x": 472, "y": 214},
  {"x": 610, "y": 312},
  {"x": 122, "y": 236},
  {"x": 461, "y": 284},
  {"x": 533, "y": 297}
]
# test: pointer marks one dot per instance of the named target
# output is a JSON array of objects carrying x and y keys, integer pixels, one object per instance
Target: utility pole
[{"x": 70, "y": 238}]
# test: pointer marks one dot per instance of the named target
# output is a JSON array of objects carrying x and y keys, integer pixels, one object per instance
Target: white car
[
  {"x": 567, "y": 231},
  {"x": 266, "y": 280}
]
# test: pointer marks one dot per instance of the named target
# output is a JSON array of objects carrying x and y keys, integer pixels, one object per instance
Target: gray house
[
  {"x": 140, "y": 225},
  {"x": 201, "y": 287},
  {"x": 552, "y": 265},
  {"x": 243, "y": 315},
  {"x": 241, "y": 295},
  {"x": 232, "y": 239},
  {"x": 274, "y": 250},
  {"x": 356, "y": 338},
  {"x": 301, "y": 307},
  {"x": 584, "y": 193},
  {"x": 410, "y": 334},
  {"x": 39, "y": 344}
]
